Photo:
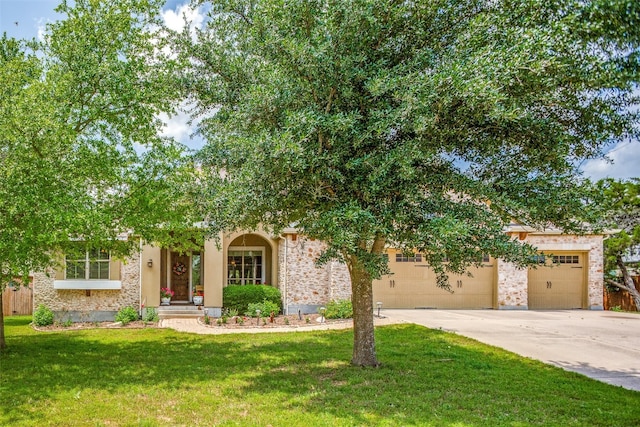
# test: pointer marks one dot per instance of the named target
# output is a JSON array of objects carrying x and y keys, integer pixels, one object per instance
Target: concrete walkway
[{"x": 603, "y": 345}]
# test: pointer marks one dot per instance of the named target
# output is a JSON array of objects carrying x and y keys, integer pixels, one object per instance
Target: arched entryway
[{"x": 249, "y": 261}]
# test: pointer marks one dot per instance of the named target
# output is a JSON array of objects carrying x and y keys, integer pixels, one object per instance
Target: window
[
  {"x": 245, "y": 267},
  {"x": 412, "y": 258},
  {"x": 89, "y": 265},
  {"x": 539, "y": 259},
  {"x": 566, "y": 259},
  {"x": 196, "y": 274}
]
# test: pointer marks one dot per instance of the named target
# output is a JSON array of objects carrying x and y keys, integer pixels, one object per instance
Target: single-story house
[{"x": 95, "y": 287}]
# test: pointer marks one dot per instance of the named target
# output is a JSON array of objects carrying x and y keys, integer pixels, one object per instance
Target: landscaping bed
[
  {"x": 291, "y": 321},
  {"x": 59, "y": 326}
]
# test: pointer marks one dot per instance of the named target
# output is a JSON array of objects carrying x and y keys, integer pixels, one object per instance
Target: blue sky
[{"x": 25, "y": 18}]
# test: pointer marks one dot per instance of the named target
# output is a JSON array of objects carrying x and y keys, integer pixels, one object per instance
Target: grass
[{"x": 151, "y": 377}]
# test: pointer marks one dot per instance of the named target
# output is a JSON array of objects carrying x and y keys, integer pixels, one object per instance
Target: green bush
[
  {"x": 126, "y": 315},
  {"x": 151, "y": 315},
  {"x": 341, "y": 309},
  {"x": 265, "y": 307},
  {"x": 238, "y": 297},
  {"x": 43, "y": 316}
]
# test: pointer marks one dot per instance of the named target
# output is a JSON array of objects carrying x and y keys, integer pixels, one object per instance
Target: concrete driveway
[{"x": 604, "y": 345}]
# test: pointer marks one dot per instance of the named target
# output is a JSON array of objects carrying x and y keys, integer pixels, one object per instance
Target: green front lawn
[{"x": 151, "y": 377}]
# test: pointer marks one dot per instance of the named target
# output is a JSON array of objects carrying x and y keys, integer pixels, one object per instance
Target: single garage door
[
  {"x": 413, "y": 285},
  {"x": 558, "y": 282}
]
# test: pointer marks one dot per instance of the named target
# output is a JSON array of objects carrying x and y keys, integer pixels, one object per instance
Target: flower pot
[
  {"x": 198, "y": 300},
  {"x": 165, "y": 301}
]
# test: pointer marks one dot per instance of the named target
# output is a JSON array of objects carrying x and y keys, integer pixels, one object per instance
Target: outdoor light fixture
[
  {"x": 322, "y": 311},
  {"x": 150, "y": 263},
  {"x": 206, "y": 312},
  {"x": 379, "y": 304},
  {"x": 258, "y": 316}
]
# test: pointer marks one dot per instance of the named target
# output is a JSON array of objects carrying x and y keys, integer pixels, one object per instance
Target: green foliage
[
  {"x": 126, "y": 315},
  {"x": 82, "y": 151},
  {"x": 43, "y": 316},
  {"x": 619, "y": 206},
  {"x": 151, "y": 315},
  {"x": 231, "y": 312},
  {"x": 238, "y": 297},
  {"x": 341, "y": 309},
  {"x": 265, "y": 307},
  {"x": 367, "y": 122}
]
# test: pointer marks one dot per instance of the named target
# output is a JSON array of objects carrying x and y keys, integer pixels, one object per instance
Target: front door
[{"x": 180, "y": 276}]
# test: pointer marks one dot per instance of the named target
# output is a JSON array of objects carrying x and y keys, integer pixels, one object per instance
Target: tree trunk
[
  {"x": 3, "y": 343},
  {"x": 629, "y": 286},
  {"x": 364, "y": 346}
]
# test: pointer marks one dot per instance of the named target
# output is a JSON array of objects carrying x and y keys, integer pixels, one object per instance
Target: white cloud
[
  {"x": 626, "y": 163},
  {"x": 182, "y": 16},
  {"x": 41, "y": 25},
  {"x": 176, "y": 126},
  {"x": 179, "y": 127}
]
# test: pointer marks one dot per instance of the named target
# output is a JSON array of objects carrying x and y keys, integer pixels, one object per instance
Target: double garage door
[
  {"x": 413, "y": 285},
  {"x": 558, "y": 282}
]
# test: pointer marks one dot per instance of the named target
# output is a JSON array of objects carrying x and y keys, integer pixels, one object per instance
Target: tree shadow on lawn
[{"x": 427, "y": 377}]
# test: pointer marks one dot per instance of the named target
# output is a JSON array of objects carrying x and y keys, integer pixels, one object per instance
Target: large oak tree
[
  {"x": 422, "y": 125},
  {"x": 80, "y": 153}
]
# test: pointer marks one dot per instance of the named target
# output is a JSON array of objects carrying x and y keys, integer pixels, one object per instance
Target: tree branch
[{"x": 617, "y": 285}]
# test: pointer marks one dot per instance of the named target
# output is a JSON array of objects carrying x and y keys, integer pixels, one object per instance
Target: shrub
[
  {"x": 265, "y": 307},
  {"x": 238, "y": 297},
  {"x": 126, "y": 315},
  {"x": 341, "y": 309},
  {"x": 43, "y": 316},
  {"x": 151, "y": 315}
]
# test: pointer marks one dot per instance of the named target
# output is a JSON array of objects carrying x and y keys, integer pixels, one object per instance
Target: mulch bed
[
  {"x": 292, "y": 320},
  {"x": 58, "y": 326}
]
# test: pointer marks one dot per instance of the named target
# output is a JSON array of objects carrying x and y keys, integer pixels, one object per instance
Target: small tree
[
  {"x": 80, "y": 152},
  {"x": 621, "y": 206}
]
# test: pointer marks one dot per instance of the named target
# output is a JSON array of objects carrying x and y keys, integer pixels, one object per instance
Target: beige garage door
[
  {"x": 558, "y": 282},
  {"x": 413, "y": 285}
]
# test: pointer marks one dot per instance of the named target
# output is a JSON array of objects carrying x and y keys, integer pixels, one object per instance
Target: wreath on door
[{"x": 179, "y": 269}]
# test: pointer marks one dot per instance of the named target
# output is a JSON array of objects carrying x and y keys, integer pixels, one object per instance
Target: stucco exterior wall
[
  {"x": 303, "y": 285},
  {"x": 100, "y": 305}
]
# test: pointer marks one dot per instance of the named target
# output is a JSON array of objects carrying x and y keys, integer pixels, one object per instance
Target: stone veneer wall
[
  {"x": 512, "y": 287},
  {"x": 512, "y": 282},
  {"x": 305, "y": 286},
  {"x": 101, "y": 305}
]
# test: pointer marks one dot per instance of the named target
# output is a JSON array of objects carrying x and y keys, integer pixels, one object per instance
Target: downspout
[{"x": 284, "y": 281}]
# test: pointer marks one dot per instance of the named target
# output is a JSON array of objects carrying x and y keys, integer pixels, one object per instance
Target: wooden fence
[
  {"x": 17, "y": 301},
  {"x": 620, "y": 298}
]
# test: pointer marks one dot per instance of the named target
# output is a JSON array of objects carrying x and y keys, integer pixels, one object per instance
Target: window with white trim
[{"x": 88, "y": 265}]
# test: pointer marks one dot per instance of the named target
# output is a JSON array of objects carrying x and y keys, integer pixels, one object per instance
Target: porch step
[{"x": 179, "y": 311}]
